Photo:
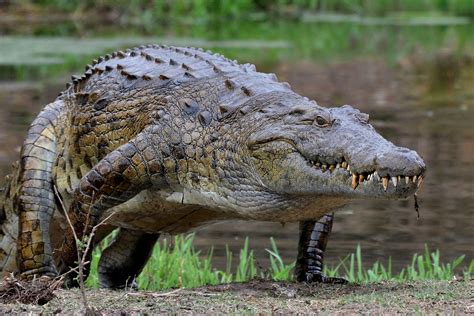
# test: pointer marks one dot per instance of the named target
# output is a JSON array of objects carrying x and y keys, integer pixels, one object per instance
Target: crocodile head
[{"x": 303, "y": 149}]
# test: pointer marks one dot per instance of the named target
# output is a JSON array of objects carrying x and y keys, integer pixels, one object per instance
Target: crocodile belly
[{"x": 156, "y": 211}]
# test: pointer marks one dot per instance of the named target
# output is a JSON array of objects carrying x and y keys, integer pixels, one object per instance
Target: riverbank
[{"x": 258, "y": 296}]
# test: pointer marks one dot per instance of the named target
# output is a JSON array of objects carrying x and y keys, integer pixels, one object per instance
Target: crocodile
[{"x": 161, "y": 139}]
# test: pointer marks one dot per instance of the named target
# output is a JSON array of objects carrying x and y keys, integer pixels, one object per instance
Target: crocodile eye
[
  {"x": 364, "y": 118},
  {"x": 321, "y": 121}
]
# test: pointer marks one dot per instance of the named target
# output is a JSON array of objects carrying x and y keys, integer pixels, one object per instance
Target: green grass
[
  {"x": 179, "y": 264},
  {"x": 426, "y": 266}
]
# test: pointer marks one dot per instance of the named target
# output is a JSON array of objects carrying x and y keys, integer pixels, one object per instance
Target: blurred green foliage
[
  {"x": 61, "y": 48},
  {"x": 310, "y": 29},
  {"x": 223, "y": 8}
]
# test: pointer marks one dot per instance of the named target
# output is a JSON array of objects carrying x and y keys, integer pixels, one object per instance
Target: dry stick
[
  {"x": 170, "y": 293},
  {"x": 75, "y": 269},
  {"x": 82, "y": 260},
  {"x": 417, "y": 206},
  {"x": 81, "y": 285}
]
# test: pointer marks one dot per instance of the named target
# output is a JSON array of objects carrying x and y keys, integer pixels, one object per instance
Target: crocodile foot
[
  {"x": 132, "y": 286},
  {"x": 321, "y": 278},
  {"x": 46, "y": 272}
]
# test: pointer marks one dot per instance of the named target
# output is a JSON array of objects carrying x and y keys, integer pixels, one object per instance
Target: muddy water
[{"x": 404, "y": 113}]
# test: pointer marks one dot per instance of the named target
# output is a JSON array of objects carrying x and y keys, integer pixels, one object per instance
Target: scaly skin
[
  {"x": 167, "y": 139},
  {"x": 314, "y": 237}
]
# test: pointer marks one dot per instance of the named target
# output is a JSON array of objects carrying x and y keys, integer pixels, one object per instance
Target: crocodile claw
[{"x": 321, "y": 278}]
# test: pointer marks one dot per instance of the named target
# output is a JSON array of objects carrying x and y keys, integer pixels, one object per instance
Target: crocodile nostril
[
  {"x": 399, "y": 161},
  {"x": 404, "y": 150}
]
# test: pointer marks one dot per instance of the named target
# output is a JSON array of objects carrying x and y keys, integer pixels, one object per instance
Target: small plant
[
  {"x": 246, "y": 269},
  {"x": 428, "y": 266},
  {"x": 422, "y": 267},
  {"x": 279, "y": 270},
  {"x": 178, "y": 265}
]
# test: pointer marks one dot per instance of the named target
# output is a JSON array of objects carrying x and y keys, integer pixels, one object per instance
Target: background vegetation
[{"x": 226, "y": 8}]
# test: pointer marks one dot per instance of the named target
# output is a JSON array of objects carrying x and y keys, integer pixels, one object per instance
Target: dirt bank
[{"x": 271, "y": 297}]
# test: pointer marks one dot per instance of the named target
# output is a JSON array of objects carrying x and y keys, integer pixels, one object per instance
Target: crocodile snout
[
  {"x": 399, "y": 161},
  {"x": 396, "y": 170},
  {"x": 399, "y": 167}
]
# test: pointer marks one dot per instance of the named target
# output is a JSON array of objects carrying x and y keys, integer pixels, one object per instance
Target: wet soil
[{"x": 259, "y": 296}]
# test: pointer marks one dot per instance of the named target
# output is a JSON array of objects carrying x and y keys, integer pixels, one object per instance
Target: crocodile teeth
[
  {"x": 385, "y": 183},
  {"x": 414, "y": 179},
  {"x": 318, "y": 164},
  {"x": 344, "y": 165},
  {"x": 394, "y": 181},
  {"x": 361, "y": 178},
  {"x": 420, "y": 181},
  {"x": 338, "y": 165},
  {"x": 407, "y": 179},
  {"x": 376, "y": 176},
  {"x": 331, "y": 168},
  {"x": 324, "y": 167},
  {"x": 355, "y": 181}
]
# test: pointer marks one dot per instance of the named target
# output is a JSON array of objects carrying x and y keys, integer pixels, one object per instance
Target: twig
[
  {"x": 78, "y": 251},
  {"x": 56, "y": 192},
  {"x": 170, "y": 293},
  {"x": 75, "y": 269},
  {"x": 203, "y": 293},
  {"x": 82, "y": 257},
  {"x": 417, "y": 206}
]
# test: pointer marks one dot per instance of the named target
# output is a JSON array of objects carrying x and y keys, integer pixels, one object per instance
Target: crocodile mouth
[
  {"x": 341, "y": 166},
  {"x": 370, "y": 176}
]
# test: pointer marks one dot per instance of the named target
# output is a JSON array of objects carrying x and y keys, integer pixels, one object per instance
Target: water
[{"x": 420, "y": 100}]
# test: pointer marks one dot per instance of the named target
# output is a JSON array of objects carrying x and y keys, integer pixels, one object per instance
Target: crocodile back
[{"x": 113, "y": 75}]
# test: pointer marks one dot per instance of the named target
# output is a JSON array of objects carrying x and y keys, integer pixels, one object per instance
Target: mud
[
  {"x": 37, "y": 292},
  {"x": 267, "y": 297}
]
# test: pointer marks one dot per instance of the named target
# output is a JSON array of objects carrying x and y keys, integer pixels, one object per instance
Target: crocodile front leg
[
  {"x": 311, "y": 247},
  {"x": 118, "y": 177},
  {"x": 124, "y": 259}
]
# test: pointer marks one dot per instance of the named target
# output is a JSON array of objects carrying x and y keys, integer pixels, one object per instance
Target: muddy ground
[{"x": 433, "y": 297}]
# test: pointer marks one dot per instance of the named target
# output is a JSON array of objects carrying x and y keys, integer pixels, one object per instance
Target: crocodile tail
[
  {"x": 8, "y": 223},
  {"x": 28, "y": 202}
]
